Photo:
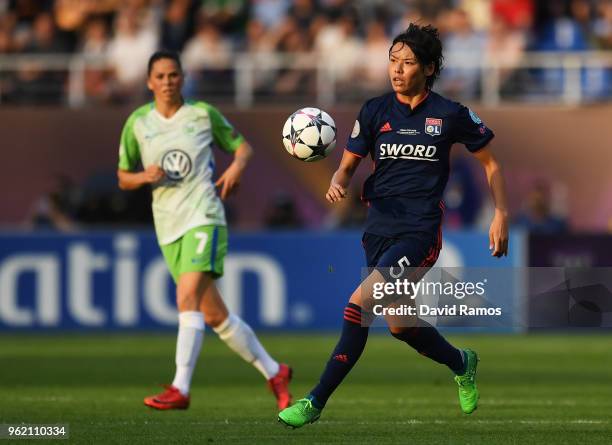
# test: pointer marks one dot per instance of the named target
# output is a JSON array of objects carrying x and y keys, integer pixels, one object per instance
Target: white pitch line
[
  {"x": 483, "y": 402},
  {"x": 390, "y": 422},
  {"x": 480, "y": 422},
  {"x": 399, "y": 402},
  {"x": 50, "y": 399}
]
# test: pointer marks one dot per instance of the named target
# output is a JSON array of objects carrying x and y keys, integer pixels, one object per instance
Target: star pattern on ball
[
  {"x": 309, "y": 134},
  {"x": 316, "y": 121}
]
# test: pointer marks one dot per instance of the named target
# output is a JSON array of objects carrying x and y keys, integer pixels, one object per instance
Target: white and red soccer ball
[{"x": 309, "y": 134}]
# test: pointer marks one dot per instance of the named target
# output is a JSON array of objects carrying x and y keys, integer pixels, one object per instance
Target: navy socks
[
  {"x": 348, "y": 350},
  {"x": 427, "y": 341}
]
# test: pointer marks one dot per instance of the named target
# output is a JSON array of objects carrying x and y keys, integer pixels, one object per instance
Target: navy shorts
[{"x": 385, "y": 252}]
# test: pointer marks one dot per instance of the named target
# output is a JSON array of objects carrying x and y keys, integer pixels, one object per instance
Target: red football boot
[
  {"x": 279, "y": 385},
  {"x": 171, "y": 398}
]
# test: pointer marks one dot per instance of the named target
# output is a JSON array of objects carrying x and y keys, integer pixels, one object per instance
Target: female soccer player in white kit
[{"x": 173, "y": 139}]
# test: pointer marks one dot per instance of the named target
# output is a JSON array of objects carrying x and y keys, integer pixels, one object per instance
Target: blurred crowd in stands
[
  {"x": 340, "y": 34},
  {"x": 351, "y": 38}
]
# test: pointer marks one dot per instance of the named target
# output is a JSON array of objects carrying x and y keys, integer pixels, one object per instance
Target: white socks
[
  {"x": 188, "y": 344},
  {"x": 241, "y": 339},
  {"x": 233, "y": 331}
]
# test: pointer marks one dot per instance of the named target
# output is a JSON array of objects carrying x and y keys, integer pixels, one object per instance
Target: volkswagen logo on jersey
[{"x": 176, "y": 164}]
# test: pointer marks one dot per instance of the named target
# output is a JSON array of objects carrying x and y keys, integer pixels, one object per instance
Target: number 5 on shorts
[{"x": 402, "y": 263}]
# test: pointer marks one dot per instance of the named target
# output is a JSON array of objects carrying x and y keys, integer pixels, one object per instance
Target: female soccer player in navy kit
[{"x": 408, "y": 134}]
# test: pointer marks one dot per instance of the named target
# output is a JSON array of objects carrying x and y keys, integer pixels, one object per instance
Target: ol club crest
[{"x": 433, "y": 127}]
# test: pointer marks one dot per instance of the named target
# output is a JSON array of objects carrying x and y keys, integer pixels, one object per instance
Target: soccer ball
[{"x": 309, "y": 134}]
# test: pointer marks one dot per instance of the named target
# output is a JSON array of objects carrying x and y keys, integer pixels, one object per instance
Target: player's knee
[
  {"x": 214, "y": 319},
  {"x": 187, "y": 300},
  {"x": 398, "y": 331},
  {"x": 415, "y": 337}
]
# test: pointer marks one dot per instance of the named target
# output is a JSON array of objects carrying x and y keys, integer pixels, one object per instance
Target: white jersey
[{"x": 182, "y": 146}]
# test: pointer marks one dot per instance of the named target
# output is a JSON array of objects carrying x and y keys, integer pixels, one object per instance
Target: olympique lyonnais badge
[{"x": 433, "y": 127}]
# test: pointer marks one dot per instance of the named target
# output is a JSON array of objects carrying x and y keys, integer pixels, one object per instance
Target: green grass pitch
[{"x": 535, "y": 389}]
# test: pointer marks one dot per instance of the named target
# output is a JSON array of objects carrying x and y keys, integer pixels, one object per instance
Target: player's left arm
[
  {"x": 230, "y": 179},
  {"x": 229, "y": 140},
  {"x": 498, "y": 232}
]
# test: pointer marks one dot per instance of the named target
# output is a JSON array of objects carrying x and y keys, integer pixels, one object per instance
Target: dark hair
[
  {"x": 425, "y": 43},
  {"x": 163, "y": 54}
]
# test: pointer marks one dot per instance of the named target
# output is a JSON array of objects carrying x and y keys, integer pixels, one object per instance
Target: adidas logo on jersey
[
  {"x": 386, "y": 127},
  {"x": 408, "y": 151}
]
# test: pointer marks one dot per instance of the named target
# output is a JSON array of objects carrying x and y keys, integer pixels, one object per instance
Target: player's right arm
[
  {"x": 342, "y": 178},
  {"x": 358, "y": 147},
  {"x": 132, "y": 180},
  {"x": 129, "y": 158}
]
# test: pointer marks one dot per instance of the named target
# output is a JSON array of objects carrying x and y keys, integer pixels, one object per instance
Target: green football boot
[
  {"x": 299, "y": 414},
  {"x": 468, "y": 392}
]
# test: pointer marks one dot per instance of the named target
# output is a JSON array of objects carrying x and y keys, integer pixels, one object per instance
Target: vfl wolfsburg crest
[{"x": 176, "y": 164}]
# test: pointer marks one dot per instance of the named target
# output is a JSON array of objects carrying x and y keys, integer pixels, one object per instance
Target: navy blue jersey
[{"x": 411, "y": 149}]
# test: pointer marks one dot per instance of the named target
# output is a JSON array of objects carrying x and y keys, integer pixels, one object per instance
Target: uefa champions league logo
[{"x": 176, "y": 164}]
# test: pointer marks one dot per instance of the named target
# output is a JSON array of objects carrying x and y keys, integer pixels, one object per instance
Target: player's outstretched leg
[
  {"x": 426, "y": 340},
  {"x": 241, "y": 339},
  {"x": 348, "y": 350},
  {"x": 188, "y": 345}
]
